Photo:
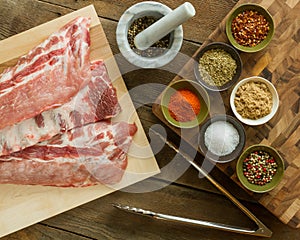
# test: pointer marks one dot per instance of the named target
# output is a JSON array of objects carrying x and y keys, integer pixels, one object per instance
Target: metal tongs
[{"x": 261, "y": 229}]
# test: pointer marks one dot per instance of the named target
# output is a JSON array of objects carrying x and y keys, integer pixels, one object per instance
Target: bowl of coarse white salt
[{"x": 222, "y": 138}]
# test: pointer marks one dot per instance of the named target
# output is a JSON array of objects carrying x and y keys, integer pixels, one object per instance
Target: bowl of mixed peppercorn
[
  {"x": 260, "y": 168},
  {"x": 217, "y": 66},
  {"x": 250, "y": 28}
]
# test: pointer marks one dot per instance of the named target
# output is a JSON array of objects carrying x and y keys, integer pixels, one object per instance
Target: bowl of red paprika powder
[{"x": 185, "y": 103}]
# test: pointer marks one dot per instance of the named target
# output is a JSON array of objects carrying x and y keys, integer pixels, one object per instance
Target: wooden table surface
[{"x": 188, "y": 196}]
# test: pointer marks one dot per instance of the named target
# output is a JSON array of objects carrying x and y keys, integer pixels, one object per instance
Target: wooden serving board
[
  {"x": 21, "y": 206},
  {"x": 279, "y": 63}
]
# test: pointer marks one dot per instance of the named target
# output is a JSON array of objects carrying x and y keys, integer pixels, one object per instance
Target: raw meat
[
  {"x": 48, "y": 76},
  {"x": 97, "y": 101},
  {"x": 85, "y": 156}
]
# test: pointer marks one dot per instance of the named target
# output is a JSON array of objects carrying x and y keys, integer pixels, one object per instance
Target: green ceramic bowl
[
  {"x": 276, "y": 178},
  {"x": 195, "y": 88},
  {"x": 260, "y": 10}
]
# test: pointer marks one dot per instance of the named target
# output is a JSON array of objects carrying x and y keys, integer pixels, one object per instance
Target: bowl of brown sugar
[{"x": 254, "y": 100}]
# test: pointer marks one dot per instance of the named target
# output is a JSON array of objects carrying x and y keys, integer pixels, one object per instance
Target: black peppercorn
[{"x": 138, "y": 26}]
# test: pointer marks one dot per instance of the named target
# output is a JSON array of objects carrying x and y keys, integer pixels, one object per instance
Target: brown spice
[
  {"x": 253, "y": 100},
  {"x": 250, "y": 28},
  {"x": 184, "y": 105}
]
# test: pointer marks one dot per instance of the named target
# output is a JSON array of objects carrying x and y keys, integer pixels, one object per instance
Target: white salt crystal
[{"x": 221, "y": 138}]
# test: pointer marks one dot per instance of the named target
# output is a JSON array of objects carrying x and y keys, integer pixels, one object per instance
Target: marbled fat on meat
[
  {"x": 48, "y": 76},
  {"x": 97, "y": 101},
  {"x": 85, "y": 156}
]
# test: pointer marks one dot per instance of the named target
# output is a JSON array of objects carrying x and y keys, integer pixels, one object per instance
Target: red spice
[
  {"x": 184, "y": 105},
  {"x": 249, "y": 28}
]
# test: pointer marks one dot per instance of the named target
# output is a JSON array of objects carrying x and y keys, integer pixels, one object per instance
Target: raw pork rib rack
[
  {"x": 80, "y": 157},
  {"x": 48, "y": 76},
  {"x": 97, "y": 101},
  {"x": 55, "y": 110}
]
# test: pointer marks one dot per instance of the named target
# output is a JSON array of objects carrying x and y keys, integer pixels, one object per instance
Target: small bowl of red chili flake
[
  {"x": 250, "y": 28},
  {"x": 260, "y": 168},
  {"x": 185, "y": 103}
]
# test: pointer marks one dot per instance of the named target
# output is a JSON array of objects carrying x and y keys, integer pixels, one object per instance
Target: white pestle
[{"x": 164, "y": 25}]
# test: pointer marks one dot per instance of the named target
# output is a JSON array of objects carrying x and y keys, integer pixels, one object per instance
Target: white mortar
[{"x": 154, "y": 9}]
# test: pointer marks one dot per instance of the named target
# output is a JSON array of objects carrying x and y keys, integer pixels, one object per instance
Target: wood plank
[
  {"x": 99, "y": 220},
  {"x": 196, "y": 29},
  {"x": 42, "y": 231},
  {"x": 92, "y": 217},
  {"x": 20, "y": 17}
]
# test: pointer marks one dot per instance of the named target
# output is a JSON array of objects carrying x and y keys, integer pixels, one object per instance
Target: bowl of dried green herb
[
  {"x": 217, "y": 66},
  {"x": 260, "y": 168}
]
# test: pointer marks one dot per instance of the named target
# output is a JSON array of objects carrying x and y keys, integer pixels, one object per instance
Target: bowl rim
[
  {"x": 190, "y": 124},
  {"x": 124, "y": 23},
  {"x": 261, "y": 10},
  {"x": 264, "y": 119},
  {"x": 227, "y": 47},
  {"x": 237, "y": 151},
  {"x": 241, "y": 177}
]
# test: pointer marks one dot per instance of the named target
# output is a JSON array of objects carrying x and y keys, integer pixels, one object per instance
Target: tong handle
[
  {"x": 171, "y": 218},
  {"x": 262, "y": 230}
]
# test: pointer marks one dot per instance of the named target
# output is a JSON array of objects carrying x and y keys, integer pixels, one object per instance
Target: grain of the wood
[
  {"x": 99, "y": 220},
  {"x": 26, "y": 14},
  {"x": 106, "y": 222},
  {"x": 42, "y": 231},
  {"x": 280, "y": 63},
  {"x": 196, "y": 29},
  {"x": 91, "y": 214}
]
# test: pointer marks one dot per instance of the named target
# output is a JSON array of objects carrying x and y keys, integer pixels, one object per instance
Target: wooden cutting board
[
  {"x": 21, "y": 206},
  {"x": 279, "y": 63}
]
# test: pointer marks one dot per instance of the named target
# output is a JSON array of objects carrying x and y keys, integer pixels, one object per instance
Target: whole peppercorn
[
  {"x": 259, "y": 168},
  {"x": 138, "y": 26}
]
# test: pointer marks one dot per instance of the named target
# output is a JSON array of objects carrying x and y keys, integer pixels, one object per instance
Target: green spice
[
  {"x": 138, "y": 26},
  {"x": 217, "y": 67},
  {"x": 259, "y": 168}
]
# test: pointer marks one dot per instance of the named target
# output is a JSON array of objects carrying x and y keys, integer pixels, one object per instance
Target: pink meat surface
[
  {"x": 48, "y": 76},
  {"x": 97, "y": 101},
  {"x": 85, "y": 156}
]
